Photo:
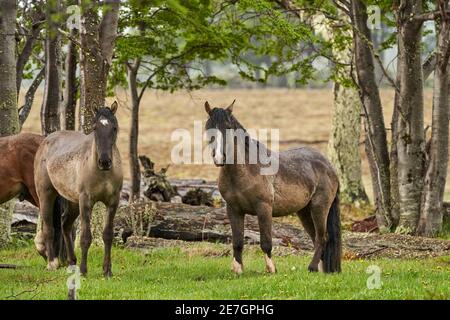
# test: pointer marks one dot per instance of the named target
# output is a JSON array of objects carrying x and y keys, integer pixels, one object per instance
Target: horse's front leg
[
  {"x": 86, "y": 235},
  {"x": 264, "y": 212},
  {"x": 237, "y": 231},
  {"x": 108, "y": 235}
]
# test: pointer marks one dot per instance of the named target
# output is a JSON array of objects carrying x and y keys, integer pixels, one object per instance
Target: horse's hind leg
[
  {"x": 237, "y": 230},
  {"x": 68, "y": 219},
  {"x": 47, "y": 201},
  {"x": 308, "y": 225},
  {"x": 108, "y": 235},
  {"x": 264, "y": 212},
  {"x": 307, "y": 222},
  {"x": 86, "y": 235},
  {"x": 319, "y": 213}
]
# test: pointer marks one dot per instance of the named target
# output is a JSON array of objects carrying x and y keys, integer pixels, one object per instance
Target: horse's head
[
  {"x": 220, "y": 122},
  {"x": 105, "y": 133}
]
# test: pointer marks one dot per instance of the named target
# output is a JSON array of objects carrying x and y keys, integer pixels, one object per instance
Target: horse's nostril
[{"x": 105, "y": 164}]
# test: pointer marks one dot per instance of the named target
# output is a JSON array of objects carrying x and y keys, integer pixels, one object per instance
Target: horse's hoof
[
  {"x": 313, "y": 268},
  {"x": 270, "y": 266},
  {"x": 53, "y": 265},
  {"x": 72, "y": 262},
  {"x": 107, "y": 274},
  {"x": 40, "y": 247},
  {"x": 236, "y": 267}
]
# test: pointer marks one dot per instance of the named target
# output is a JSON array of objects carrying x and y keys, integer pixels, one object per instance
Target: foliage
[{"x": 173, "y": 39}]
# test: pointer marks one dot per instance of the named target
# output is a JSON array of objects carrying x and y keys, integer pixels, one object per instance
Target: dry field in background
[{"x": 303, "y": 117}]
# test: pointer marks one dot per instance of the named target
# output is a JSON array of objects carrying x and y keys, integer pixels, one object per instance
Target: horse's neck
[{"x": 253, "y": 167}]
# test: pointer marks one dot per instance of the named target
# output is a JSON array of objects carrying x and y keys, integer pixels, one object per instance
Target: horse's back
[
  {"x": 306, "y": 158},
  {"x": 63, "y": 142},
  {"x": 303, "y": 173}
]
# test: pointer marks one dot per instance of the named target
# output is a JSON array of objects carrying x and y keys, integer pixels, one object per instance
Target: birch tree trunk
[
  {"x": 9, "y": 116},
  {"x": 436, "y": 174},
  {"x": 411, "y": 137},
  {"x": 97, "y": 40},
  {"x": 376, "y": 142},
  {"x": 51, "y": 101},
  {"x": 343, "y": 146}
]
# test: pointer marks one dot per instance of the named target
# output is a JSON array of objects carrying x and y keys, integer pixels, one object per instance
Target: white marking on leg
[
  {"x": 270, "y": 266},
  {"x": 236, "y": 267},
  {"x": 53, "y": 265},
  {"x": 321, "y": 268}
]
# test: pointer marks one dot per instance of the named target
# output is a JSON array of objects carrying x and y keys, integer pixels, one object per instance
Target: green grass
[{"x": 175, "y": 273}]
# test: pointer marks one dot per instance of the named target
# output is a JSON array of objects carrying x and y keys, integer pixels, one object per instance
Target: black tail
[
  {"x": 59, "y": 209},
  {"x": 332, "y": 254}
]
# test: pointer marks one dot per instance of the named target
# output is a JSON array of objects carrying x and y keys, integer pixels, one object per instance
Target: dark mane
[
  {"x": 219, "y": 118},
  {"x": 222, "y": 119}
]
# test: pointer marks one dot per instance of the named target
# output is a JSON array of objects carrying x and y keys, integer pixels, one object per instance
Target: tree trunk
[
  {"x": 24, "y": 111},
  {"x": 51, "y": 101},
  {"x": 376, "y": 142},
  {"x": 343, "y": 146},
  {"x": 395, "y": 195},
  {"x": 70, "y": 86},
  {"x": 135, "y": 170},
  {"x": 9, "y": 117},
  {"x": 436, "y": 175},
  {"x": 411, "y": 137},
  {"x": 27, "y": 50},
  {"x": 97, "y": 40}
]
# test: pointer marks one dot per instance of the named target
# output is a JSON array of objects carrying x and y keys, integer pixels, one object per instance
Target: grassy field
[
  {"x": 202, "y": 272},
  {"x": 302, "y": 116}
]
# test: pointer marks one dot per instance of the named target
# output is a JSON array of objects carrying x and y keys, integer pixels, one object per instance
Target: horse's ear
[
  {"x": 114, "y": 107},
  {"x": 230, "y": 107},
  {"x": 207, "y": 107}
]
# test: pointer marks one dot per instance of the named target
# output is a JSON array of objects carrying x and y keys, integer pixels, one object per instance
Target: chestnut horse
[
  {"x": 84, "y": 169},
  {"x": 17, "y": 154},
  {"x": 304, "y": 183}
]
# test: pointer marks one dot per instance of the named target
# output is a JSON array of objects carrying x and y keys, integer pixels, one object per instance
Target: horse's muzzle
[{"x": 105, "y": 165}]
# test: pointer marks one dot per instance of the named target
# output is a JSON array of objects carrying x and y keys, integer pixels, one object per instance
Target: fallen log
[{"x": 176, "y": 221}]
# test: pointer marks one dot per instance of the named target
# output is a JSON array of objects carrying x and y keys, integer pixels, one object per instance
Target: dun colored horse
[
  {"x": 305, "y": 183},
  {"x": 84, "y": 169},
  {"x": 16, "y": 167}
]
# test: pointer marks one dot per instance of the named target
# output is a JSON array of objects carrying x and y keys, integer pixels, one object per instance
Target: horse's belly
[
  {"x": 67, "y": 190},
  {"x": 289, "y": 203}
]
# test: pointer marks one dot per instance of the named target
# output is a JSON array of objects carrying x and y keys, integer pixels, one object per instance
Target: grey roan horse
[
  {"x": 84, "y": 169},
  {"x": 305, "y": 183}
]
